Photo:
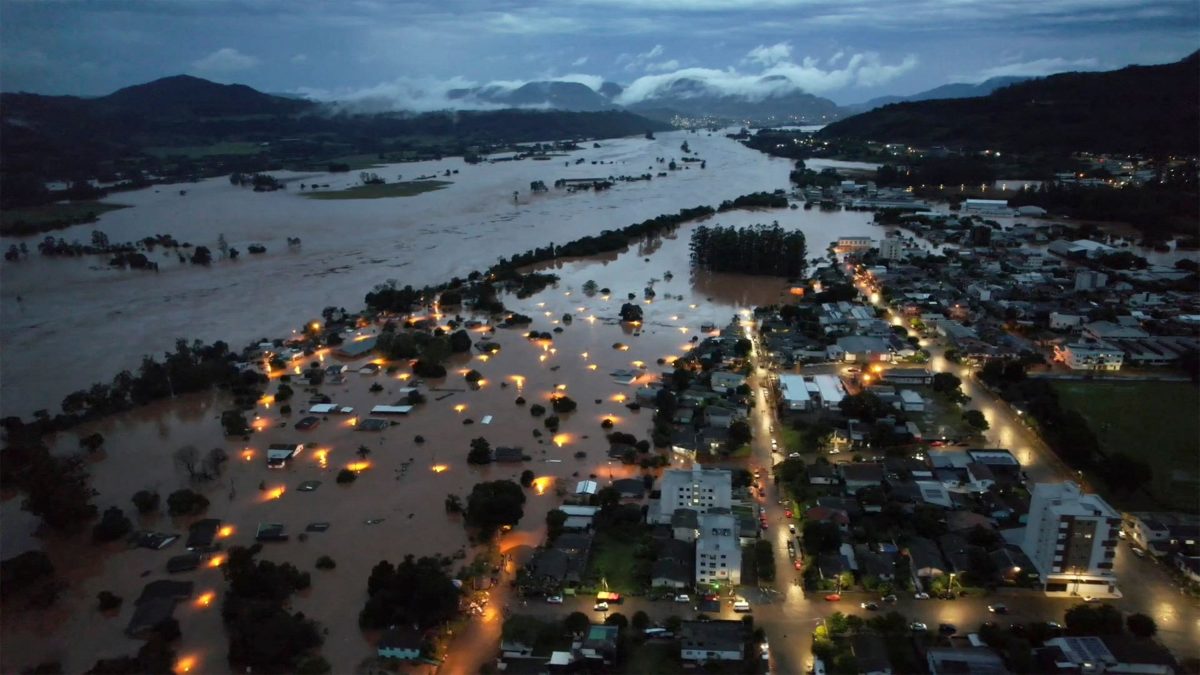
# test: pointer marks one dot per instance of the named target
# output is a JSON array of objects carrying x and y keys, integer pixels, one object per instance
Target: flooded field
[{"x": 105, "y": 320}]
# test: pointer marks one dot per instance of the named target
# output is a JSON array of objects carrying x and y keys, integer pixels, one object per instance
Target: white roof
[
  {"x": 573, "y": 510},
  {"x": 487, "y": 419},
  {"x": 793, "y": 388},
  {"x": 322, "y": 408},
  {"x": 279, "y": 453},
  {"x": 589, "y": 487},
  {"x": 910, "y": 396},
  {"x": 831, "y": 389},
  {"x": 391, "y": 409}
]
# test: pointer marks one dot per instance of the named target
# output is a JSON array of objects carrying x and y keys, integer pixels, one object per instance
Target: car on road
[
  {"x": 947, "y": 629},
  {"x": 833, "y": 597},
  {"x": 788, "y": 513},
  {"x": 1054, "y": 624},
  {"x": 600, "y": 607},
  {"x": 791, "y": 528},
  {"x": 682, "y": 598},
  {"x": 998, "y": 608},
  {"x": 554, "y": 599},
  {"x": 741, "y": 606},
  {"x": 798, "y": 565},
  {"x": 918, "y": 627},
  {"x": 888, "y": 598},
  {"x": 921, "y": 596},
  {"x": 869, "y": 606},
  {"x": 793, "y": 455}
]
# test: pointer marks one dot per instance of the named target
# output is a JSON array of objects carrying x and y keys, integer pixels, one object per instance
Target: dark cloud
[{"x": 417, "y": 50}]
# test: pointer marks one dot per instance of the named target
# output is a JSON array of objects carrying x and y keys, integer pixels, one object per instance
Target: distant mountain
[
  {"x": 693, "y": 98},
  {"x": 555, "y": 95},
  {"x": 184, "y": 95},
  {"x": 955, "y": 90},
  {"x": 1139, "y": 109}
]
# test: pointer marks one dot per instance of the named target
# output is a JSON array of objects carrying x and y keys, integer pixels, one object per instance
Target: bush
[
  {"x": 527, "y": 477},
  {"x": 145, "y": 501},
  {"x": 346, "y": 476},
  {"x": 537, "y": 410},
  {"x": 429, "y": 369},
  {"x": 186, "y": 503},
  {"x": 551, "y": 422},
  {"x": 325, "y": 563},
  {"x": 107, "y": 601},
  {"x": 563, "y": 404}
]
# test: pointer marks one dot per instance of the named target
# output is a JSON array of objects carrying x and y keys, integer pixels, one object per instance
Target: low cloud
[
  {"x": 1035, "y": 68},
  {"x": 225, "y": 60},
  {"x": 647, "y": 62},
  {"x": 778, "y": 76},
  {"x": 429, "y": 94},
  {"x": 579, "y": 61}
]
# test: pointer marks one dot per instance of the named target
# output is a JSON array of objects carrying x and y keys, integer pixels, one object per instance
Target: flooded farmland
[{"x": 76, "y": 325}]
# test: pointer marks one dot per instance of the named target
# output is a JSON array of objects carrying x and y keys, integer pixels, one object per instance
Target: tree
[
  {"x": 91, "y": 442},
  {"x": 608, "y": 497},
  {"x": 975, "y": 420},
  {"x": 527, "y": 477},
  {"x": 113, "y": 525},
  {"x": 946, "y": 383},
  {"x": 345, "y": 477},
  {"x": 1124, "y": 473},
  {"x": 263, "y": 635},
  {"x": 325, "y": 563},
  {"x": 555, "y": 519},
  {"x": 616, "y": 619},
  {"x": 563, "y": 404},
  {"x": 640, "y": 620},
  {"x": 214, "y": 459},
  {"x": 188, "y": 459},
  {"x": 821, "y": 537},
  {"x": 576, "y": 622},
  {"x": 460, "y": 341},
  {"x": 495, "y": 504},
  {"x": 1093, "y": 620},
  {"x": 864, "y": 406},
  {"x": 234, "y": 423},
  {"x": 186, "y": 503},
  {"x": 284, "y": 392},
  {"x": 739, "y": 433},
  {"x": 1141, "y": 625},
  {"x": 201, "y": 256},
  {"x": 145, "y": 501},
  {"x": 480, "y": 452}
]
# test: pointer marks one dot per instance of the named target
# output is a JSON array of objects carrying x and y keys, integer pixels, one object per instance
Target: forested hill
[{"x": 1139, "y": 109}]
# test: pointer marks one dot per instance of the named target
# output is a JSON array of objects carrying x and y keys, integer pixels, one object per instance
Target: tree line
[{"x": 759, "y": 249}]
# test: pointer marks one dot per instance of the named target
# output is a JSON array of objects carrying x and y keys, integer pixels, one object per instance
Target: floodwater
[{"x": 405, "y": 483}]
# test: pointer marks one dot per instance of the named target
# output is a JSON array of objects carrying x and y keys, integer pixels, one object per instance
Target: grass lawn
[
  {"x": 197, "y": 151},
  {"x": 404, "y": 189},
  {"x": 612, "y": 560},
  {"x": 1156, "y": 421},
  {"x": 52, "y": 216}
]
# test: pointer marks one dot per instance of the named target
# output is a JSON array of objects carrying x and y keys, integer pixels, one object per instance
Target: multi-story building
[
  {"x": 698, "y": 489},
  {"x": 1071, "y": 538},
  {"x": 1086, "y": 280},
  {"x": 891, "y": 249},
  {"x": 718, "y": 553},
  {"x": 1090, "y": 356}
]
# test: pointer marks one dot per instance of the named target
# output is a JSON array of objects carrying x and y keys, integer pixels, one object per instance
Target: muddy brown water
[{"x": 401, "y": 487}]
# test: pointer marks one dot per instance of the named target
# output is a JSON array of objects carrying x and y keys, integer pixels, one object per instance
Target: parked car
[
  {"x": 791, "y": 528},
  {"x": 788, "y": 513},
  {"x": 869, "y": 606},
  {"x": 682, "y": 598},
  {"x": 798, "y": 565},
  {"x": 741, "y": 606},
  {"x": 833, "y": 597},
  {"x": 998, "y": 609},
  {"x": 600, "y": 607},
  {"x": 889, "y": 598},
  {"x": 921, "y": 596},
  {"x": 554, "y": 599},
  {"x": 918, "y": 627}
]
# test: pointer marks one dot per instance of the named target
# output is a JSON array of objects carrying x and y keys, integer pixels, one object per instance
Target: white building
[
  {"x": 718, "y": 553},
  {"x": 891, "y": 249},
  {"x": 853, "y": 244},
  {"x": 830, "y": 389},
  {"x": 1064, "y": 321},
  {"x": 793, "y": 391},
  {"x": 990, "y": 207},
  {"x": 1071, "y": 538},
  {"x": 697, "y": 488},
  {"x": 1086, "y": 280},
  {"x": 911, "y": 401},
  {"x": 1090, "y": 356}
]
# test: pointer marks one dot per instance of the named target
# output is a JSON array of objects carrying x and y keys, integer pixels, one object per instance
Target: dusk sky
[{"x": 411, "y": 53}]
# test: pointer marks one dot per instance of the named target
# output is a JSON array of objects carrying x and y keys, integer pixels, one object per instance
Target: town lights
[
  {"x": 225, "y": 532},
  {"x": 205, "y": 599},
  {"x": 460, "y": 407},
  {"x": 185, "y": 664},
  {"x": 439, "y": 468},
  {"x": 561, "y": 439},
  {"x": 541, "y": 483}
]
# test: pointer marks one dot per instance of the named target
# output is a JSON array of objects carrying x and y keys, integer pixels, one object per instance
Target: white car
[
  {"x": 682, "y": 598},
  {"x": 1088, "y": 598},
  {"x": 741, "y": 606},
  {"x": 554, "y": 599},
  {"x": 1137, "y": 551},
  {"x": 791, "y": 528},
  {"x": 918, "y": 627},
  {"x": 921, "y": 596}
]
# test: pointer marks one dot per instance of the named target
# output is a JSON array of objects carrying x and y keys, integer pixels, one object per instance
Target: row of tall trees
[{"x": 758, "y": 249}]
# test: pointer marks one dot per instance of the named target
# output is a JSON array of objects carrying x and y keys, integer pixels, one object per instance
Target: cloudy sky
[{"x": 412, "y": 52}]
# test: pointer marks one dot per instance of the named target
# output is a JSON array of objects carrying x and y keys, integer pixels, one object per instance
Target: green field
[
  {"x": 405, "y": 189},
  {"x": 33, "y": 219},
  {"x": 197, "y": 151},
  {"x": 1155, "y": 421},
  {"x": 613, "y": 561}
]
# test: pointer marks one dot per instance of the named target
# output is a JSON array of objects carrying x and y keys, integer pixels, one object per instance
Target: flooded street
[{"x": 105, "y": 320}]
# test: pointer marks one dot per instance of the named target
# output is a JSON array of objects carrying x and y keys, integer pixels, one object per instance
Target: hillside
[
  {"x": 693, "y": 98},
  {"x": 953, "y": 90},
  {"x": 1139, "y": 109}
]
